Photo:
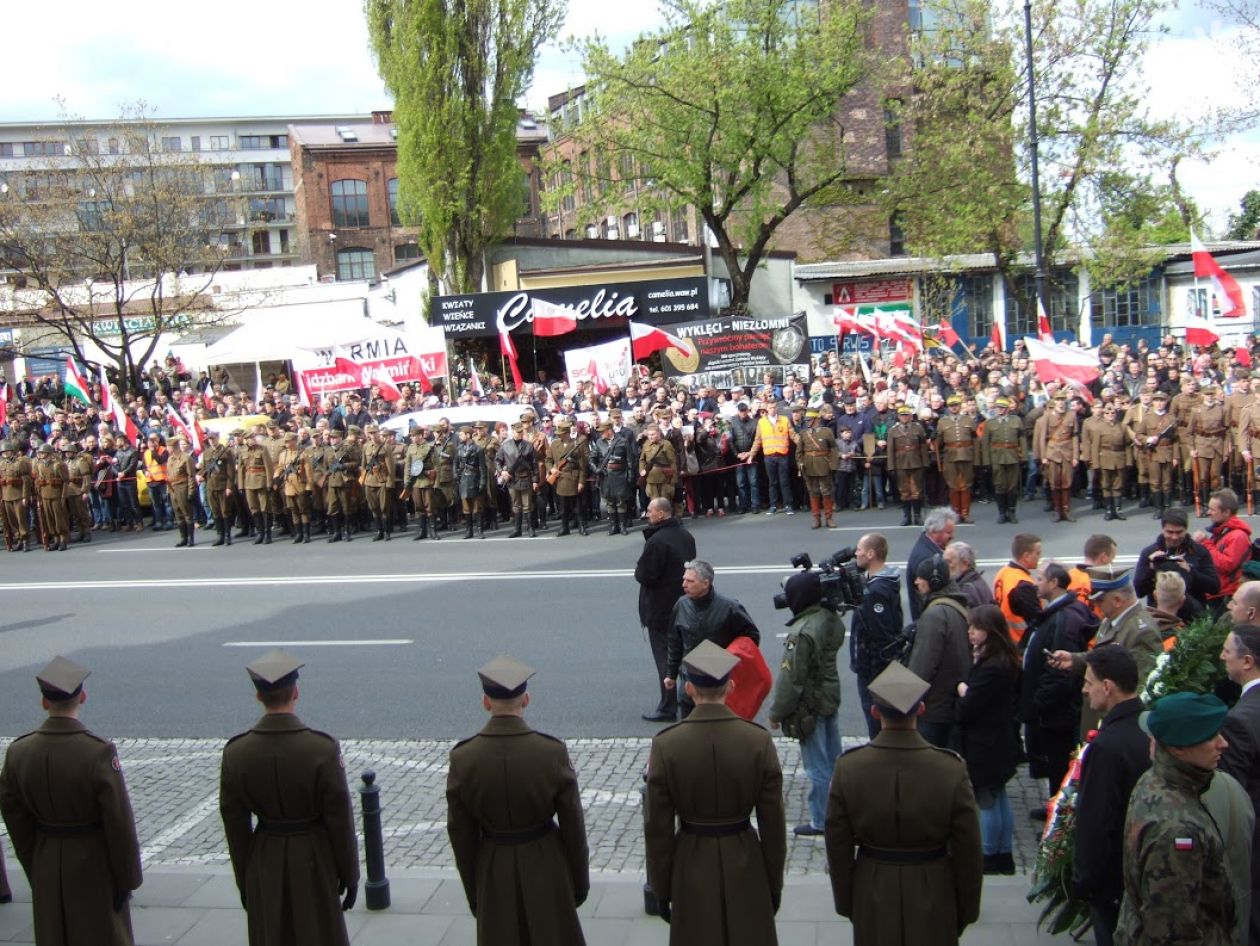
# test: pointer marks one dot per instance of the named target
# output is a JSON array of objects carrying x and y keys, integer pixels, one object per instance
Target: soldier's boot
[
  {"x": 964, "y": 500},
  {"x": 1115, "y": 510},
  {"x": 1157, "y": 502},
  {"x": 815, "y": 507},
  {"x": 517, "y": 520},
  {"x": 1145, "y": 501},
  {"x": 1066, "y": 506},
  {"x": 258, "y": 531},
  {"x": 533, "y": 534},
  {"x": 1002, "y": 500},
  {"x": 335, "y": 523},
  {"x": 433, "y": 528},
  {"x": 219, "y": 530},
  {"x": 1010, "y": 508},
  {"x": 380, "y": 528},
  {"x": 481, "y": 527},
  {"x": 916, "y": 512},
  {"x": 581, "y": 522},
  {"x": 1111, "y": 511},
  {"x": 829, "y": 508},
  {"x": 306, "y": 533},
  {"x": 267, "y": 527},
  {"x": 905, "y": 514},
  {"x": 183, "y": 536},
  {"x": 422, "y": 528},
  {"x": 1050, "y": 500},
  {"x": 468, "y": 526},
  {"x": 192, "y": 534},
  {"x": 614, "y": 524},
  {"x": 389, "y": 527},
  {"x": 297, "y": 531},
  {"x": 227, "y": 533},
  {"x": 566, "y": 512},
  {"x": 244, "y": 526}
]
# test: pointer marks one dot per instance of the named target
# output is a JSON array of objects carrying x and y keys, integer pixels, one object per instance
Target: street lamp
[{"x": 1039, "y": 254}]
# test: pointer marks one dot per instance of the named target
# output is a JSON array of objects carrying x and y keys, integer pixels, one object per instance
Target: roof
[
  {"x": 57, "y": 123},
  {"x": 352, "y": 134},
  {"x": 1244, "y": 259}
]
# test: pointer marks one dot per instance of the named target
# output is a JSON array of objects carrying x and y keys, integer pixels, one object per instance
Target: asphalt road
[{"x": 167, "y": 631}]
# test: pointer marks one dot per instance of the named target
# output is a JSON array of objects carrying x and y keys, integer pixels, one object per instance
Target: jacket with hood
[
  {"x": 975, "y": 588},
  {"x": 808, "y": 676},
  {"x": 1229, "y": 544},
  {"x": 941, "y": 653}
]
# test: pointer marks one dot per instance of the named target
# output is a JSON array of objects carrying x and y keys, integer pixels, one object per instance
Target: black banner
[
  {"x": 653, "y": 302},
  {"x": 740, "y": 349}
]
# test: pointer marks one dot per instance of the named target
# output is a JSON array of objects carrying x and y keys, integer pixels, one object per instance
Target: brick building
[{"x": 346, "y": 192}]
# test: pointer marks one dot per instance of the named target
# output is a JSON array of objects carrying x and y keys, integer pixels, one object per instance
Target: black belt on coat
[
  {"x": 903, "y": 857},
  {"x": 726, "y": 830},
  {"x": 67, "y": 830},
  {"x": 298, "y": 826},
  {"x": 521, "y": 836}
]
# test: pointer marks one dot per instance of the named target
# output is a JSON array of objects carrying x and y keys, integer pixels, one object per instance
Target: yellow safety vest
[{"x": 774, "y": 436}]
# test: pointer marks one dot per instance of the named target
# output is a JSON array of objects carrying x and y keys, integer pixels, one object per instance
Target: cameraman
[
  {"x": 807, "y": 693},
  {"x": 876, "y": 637},
  {"x": 1174, "y": 549}
]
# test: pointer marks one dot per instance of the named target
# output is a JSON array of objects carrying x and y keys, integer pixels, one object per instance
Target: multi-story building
[{"x": 346, "y": 194}]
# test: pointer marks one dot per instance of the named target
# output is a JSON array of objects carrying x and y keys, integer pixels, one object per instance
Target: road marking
[{"x": 397, "y": 642}]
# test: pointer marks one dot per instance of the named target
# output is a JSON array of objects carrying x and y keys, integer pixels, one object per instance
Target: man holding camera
[
  {"x": 877, "y": 622},
  {"x": 807, "y": 693},
  {"x": 1174, "y": 549}
]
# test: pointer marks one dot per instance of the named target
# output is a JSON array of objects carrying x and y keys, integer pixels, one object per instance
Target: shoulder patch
[
  {"x": 878, "y": 607},
  {"x": 1183, "y": 844}
]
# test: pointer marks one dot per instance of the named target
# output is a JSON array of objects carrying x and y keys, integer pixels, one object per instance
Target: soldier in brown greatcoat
[
  {"x": 65, "y": 804},
  {"x": 293, "y": 473},
  {"x": 51, "y": 477},
  {"x": 1093, "y": 476},
  {"x": 254, "y": 473},
  {"x": 514, "y": 817},
  {"x": 297, "y": 863},
  {"x": 658, "y": 467},
  {"x": 1060, "y": 451},
  {"x": 343, "y": 471},
  {"x": 378, "y": 481},
  {"x": 1107, "y": 451},
  {"x": 1156, "y": 433},
  {"x": 1133, "y": 416},
  {"x": 1208, "y": 443},
  {"x": 181, "y": 482},
  {"x": 217, "y": 470},
  {"x": 1182, "y": 408},
  {"x": 566, "y": 473},
  {"x": 1238, "y": 400},
  {"x": 1249, "y": 440},
  {"x": 908, "y": 458},
  {"x": 80, "y": 468},
  {"x": 959, "y": 451},
  {"x": 16, "y": 490},
  {"x": 815, "y": 456}
]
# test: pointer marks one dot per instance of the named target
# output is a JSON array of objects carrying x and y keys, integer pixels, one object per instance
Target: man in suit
[
  {"x": 1241, "y": 758},
  {"x": 659, "y": 572}
]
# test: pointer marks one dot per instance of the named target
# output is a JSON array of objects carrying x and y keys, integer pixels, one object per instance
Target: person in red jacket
[{"x": 1228, "y": 541}]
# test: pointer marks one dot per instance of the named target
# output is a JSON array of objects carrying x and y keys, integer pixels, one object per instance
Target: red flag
[
  {"x": 181, "y": 425},
  {"x": 1062, "y": 362},
  {"x": 646, "y": 339},
  {"x": 508, "y": 350},
  {"x": 1044, "y": 331},
  {"x": 4, "y": 403},
  {"x": 947, "y": 334},
  {"x": 385, "y": 384},
  {"x": 551, "y": 319},
  {"x": 474, "y": 382},
  {"x": 125, "y": 424},
  {"x": 1243, "y": 356},
  {"x": 106, "y": 406},
  {"x": 1224, "y": 286},
  {"x": 1199, "y": 331},
  {"x": 847, "y": 321},
  {"x": 997, "y": 338},
  {"x": 207, "y": 396}
]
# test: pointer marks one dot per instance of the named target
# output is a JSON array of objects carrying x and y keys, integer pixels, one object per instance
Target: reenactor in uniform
[
  {"x": 399, "y": 501},
  {"x": 1133, "y": 417},
  {"x": 1002, "y": 449},
  {"x": 1238, "y": 400},
  {"x": 908, "y": 458},
  {"x": 445, "y": 447},
  {"x": 79, "y": 466},
  {"x": 489, "y": 444},
  {"x": 1093, "y": 477},
  {"x": 566, "y": 474},
  {"x": 903, "y": 828},
  {"x": 343, "y": 470},
  {"x": 816, "y": 459},
  {"x": 297, "y": 863},
  {"x": 16, "y": 491},
  {"x": 420, "y": 468},
  {"x": 1156, "y": 435},
  {"x": 218, "y": 472},
  {"x": 1248, "y": 440},
  {"x": 1060, "y": 450},
  {"x": 518, "y": 472},
  {"x": 958, "y": 446},
  {"x": 1182, "y": 408},
  {"x": 514, "y": 818},
  {"x": 710, "y": 870},
  {"x": 294, "y": 475},
  {"x": 470, "y": 480},
  {"x": 65, "y": 803},
  {"x": 254, "y": 473},
  {"x": 658, "y": 466},
  {"x": 1209, "y": 444},
  {"x": 318, "y": 459},
  {"x": 240, "y": 444},
  {"x": 378, "y": 481},
  {"x": 181, "y": 482},
  {"x": 614, "y": 465},
  {"x": 274, "y": 443},
  {"x": 51, "y": 477},
  {"x": 1107, "y": 452},
  {"x": 540, "y": 442}
]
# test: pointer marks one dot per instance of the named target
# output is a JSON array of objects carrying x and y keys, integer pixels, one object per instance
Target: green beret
[{"x": 1184, "y": 719}]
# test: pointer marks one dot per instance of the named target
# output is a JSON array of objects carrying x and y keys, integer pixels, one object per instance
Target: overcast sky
[{"x": 284, "y": 57}]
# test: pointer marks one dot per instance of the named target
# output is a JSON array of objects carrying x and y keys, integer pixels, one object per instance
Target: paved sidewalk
[{"x": 200, "y": 907}]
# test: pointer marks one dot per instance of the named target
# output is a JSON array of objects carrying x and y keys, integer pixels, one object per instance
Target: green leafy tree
[
  {"x": 732, "y": 109},
  {"x": 456, "y": 71},
  {"x": 1245, "y": 225}
]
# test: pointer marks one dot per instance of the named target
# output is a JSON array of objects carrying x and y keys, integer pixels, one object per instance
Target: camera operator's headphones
[{"x": 935, "y": 571}]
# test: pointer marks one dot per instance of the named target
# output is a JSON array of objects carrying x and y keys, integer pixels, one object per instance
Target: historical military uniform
[
  {"x": 1183, "y": 408},
  {"x": 274, "y": 443},
  {"x": 566, "y": 473},
  {"x": 1209, "y": 444},
  {"x": 343, "y": 472},
  {"x": 1059, "y": 448},
  {"x": 318, "y": 460},
  {"x": 1237, "y": 401},
  {"x": 218, "y": 473},
  {"x": 65, "y": 803},
  {"x": 816, "y": 458},
  {"x": 1108, "y": 450},
  {"x": 1156, "y": 435},
  {"x": 378, "y": 483},
  {"x": 294, "y": 474},
  {"x": 181, "y": 481},
  {"x": 1248, "y": 444},
  {"x": 614, "y": 466},
  {"x": 16, "y": 491},
  {"x": 51, "y": 477},
  {"x": 908, "y": 458},
  {"x": 489, "y": 444},
  {"x": 79, "y": 466},
  {"x": 470, "y": 480},
  {"x": 514, "y": 817},
  {"x": 718, "y": 879},
  {"x": 658, "y": 468},
  {"x": 254, "y": 473},
  {"x": 444, "y": 462},
  {"x": 958, "y": 444},
  {"x": 241, "y": 442},
  {"x": 1133, "y": 417},
  {"x": 903, "y": 832},
  {"x": 518, "y": 471},
  {"x": 1092, "y": 476},
  {"x": 298, "y": 856}
]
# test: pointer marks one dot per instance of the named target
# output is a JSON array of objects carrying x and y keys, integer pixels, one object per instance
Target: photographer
[
  {"x": 876, "y": 637},
  {"x": 807, "y": 693},
  {"x": 1174, "y": 549}
]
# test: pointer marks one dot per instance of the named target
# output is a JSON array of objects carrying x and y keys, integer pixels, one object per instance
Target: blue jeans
[
  {"x": 819, "y": 751},
  {"x": 746, "y": 483},
  {"x": 779, "y": 479},
  {"x": 874, "y": 478},
  {"x": 997, "y": 824},
  {"x": 157, "y": 500}
]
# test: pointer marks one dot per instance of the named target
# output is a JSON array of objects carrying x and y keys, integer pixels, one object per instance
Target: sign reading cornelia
[{"x": 653, "y": 301}]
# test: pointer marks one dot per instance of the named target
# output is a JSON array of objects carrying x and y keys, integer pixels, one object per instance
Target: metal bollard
[{"x": 376, "y": 890}]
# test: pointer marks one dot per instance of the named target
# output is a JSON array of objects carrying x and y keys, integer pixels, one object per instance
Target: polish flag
[
  {"x": 600, "y": 382},
  {"x": 304, "y": 396},
  {"x": 106, "y": 406},
  {"x": 647, "y": 339},
  {"x": 389, "y": 390},
  {"x": 474, "y": 381},
  {"x": 346, "y": 366},
  {"x": 551, "y": 319},
  {"x": 900, "y": 328},
  {"x": 184, "y": 428},
  {"x": 1044, "y": 331},
  {"x": 1061, "y": 362},
  {"x": 1226, "y": 289},
  {"x": 508, "y": 350},
  {"x": 207, "y": 396},
  {"x": 125, "y": 424},
  {"x": 1199, "y": 331},
  {"x": 997, "y": 336},
  {"x": 848, "y": 322}
]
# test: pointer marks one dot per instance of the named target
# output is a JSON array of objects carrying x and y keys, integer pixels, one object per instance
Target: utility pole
[{"x": 1039, "y": 252}]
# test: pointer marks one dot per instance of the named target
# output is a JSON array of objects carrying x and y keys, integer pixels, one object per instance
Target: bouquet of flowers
[
  {"x": 1053, "y": 879},
  {"x": 1193, "y": 665}
]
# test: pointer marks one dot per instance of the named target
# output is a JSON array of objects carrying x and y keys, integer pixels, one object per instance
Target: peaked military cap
[
  {"x": 953, "y": 399},
  {"x": 1002, "y": 402},
  {"x": 505, "y": 677},
  {"x": 1104, "y": 578},
  {"x": 604, "y": 425},
  {"x": 1160, "y": 395},
  {"x": 904, "y": 409},
  {"x": 354, "y": 429},
  {"x": 709, "y": 665},
  {"x": 62, "y": 679},
  {"x": 273, "y": 670},
  {"x": 898, "y": 688}
]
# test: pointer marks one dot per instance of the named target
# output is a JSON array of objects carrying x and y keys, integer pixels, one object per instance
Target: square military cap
[
  {"x": 709, "y": 665},
  {"x": 62, "y": 679},
  {"x": 273, "y": 670},
  {"x": 505, "y": 677},
  {"x": 898, "y": 688},
  {"x": 1105, "y": 578}
]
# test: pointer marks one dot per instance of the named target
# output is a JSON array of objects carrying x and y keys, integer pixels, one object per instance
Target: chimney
[{"x": 382, "y": 117}]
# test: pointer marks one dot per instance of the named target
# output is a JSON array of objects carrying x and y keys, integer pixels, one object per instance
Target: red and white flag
[
  {"x": 997, "y": 336},
  {"x": 850, "y": 322},
  {"x": 508, "y": 349},
  {"x": 385, "y": 384},
  {"x": 125, "y": 424},
  {"x": 901, "y": 328},
  {"x": 646, "y": 339},
  {"x": 4, "y": 403},
  {"x": 474, "y": 380},
  {"x": 551, "y": 319},
  {"x": 945, "y": 332},
  {"x": 1243, "y": 356},
  {"x": 181, "y": 425},
  {"x": 1044, "y": 331},
  {"x": 304, "y": 396},
  {"x": 1199, "y": 331},
  {"x": 207, "y": 396},
  {"x": 106, "y": 400},
  {"x": 597, "y": 379},
  {"x": 1226, "y": 289},
  {"x": 1062, "y": 362}
]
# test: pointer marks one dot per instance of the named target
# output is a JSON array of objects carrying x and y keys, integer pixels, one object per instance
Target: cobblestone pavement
[{"x": 174, "y": 791}]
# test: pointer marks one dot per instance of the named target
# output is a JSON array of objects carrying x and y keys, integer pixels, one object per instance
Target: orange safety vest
[
  {"x": 155, "y": 469},
  {"x": 1006, "y": 580},
  {"x": 774, "y": 436}
]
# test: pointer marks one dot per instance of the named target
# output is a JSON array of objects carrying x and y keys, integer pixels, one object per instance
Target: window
[
  {"x": 42, "y": 149},
  {"x": 678, "y": 226},
  {"x": 284, "y": 241},
  {"x": 261, "y": 243},
  {"x": 566, "y": 184},
  {"x": 570, "y": 234},
  {"x": 974, "y": 298},
  {"x": 249, "y": 142},
  {"x": 406, "y": 251},
  {"x": 92, "y": 215},
  {"x": 393, "y": 203},
  {"x": 1134, "y": 305},
  {"x": 266, "y": 209},
  {"x": 6, "y": 149},
  {"x": 584, "y": 163},
  {"x": 349, "y": 204},
  {"x": 892, "y": 129},
  {"x": 625, "y": 171},
  {"x": 896, "y": 237},
  {"x": 196, "y": 142},
  {"x": 172, "y": 143},
  {"x": 355, "y": 263},
  {"x": 1062, "y": 299},
  {"x": 87, "y": 146},
  {"x": 630, "y": 226},
  {"x": 219, "y": 142},
  {"x": 259, "y": 142},
  {"x": 263, "y": 177},
  {"x": 114, "y": 146}
]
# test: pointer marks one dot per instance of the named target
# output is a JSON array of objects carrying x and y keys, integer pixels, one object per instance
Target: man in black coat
[
  {"x": 1110, "y": 767},
  {"x": 1241, "y": 758},
  {"x": 938, "y": 532},
  {"x": 1175, "y": 550},
  {"x": 659, "y": 573}
]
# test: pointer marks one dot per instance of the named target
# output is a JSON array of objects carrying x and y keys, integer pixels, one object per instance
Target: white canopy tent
[{"x": 271, "y": 334}]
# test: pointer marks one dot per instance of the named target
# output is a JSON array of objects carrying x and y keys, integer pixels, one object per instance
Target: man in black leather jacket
[
  {"x": 877, "y": 623},
  {"x": 702, "y": 614}
]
